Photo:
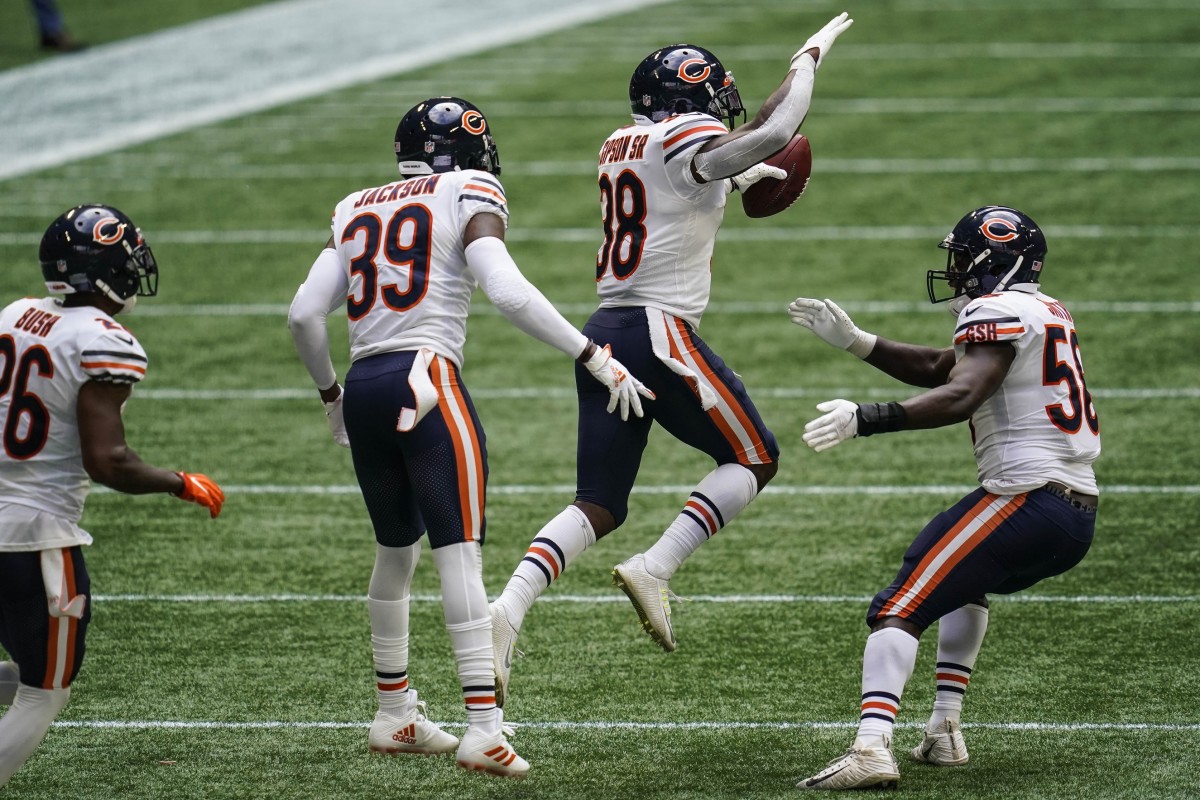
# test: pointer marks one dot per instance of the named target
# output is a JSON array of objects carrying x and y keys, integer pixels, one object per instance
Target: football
[{"x": 770, "y": 196}]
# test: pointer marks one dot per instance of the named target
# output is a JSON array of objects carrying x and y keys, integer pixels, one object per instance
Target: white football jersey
[
  {"x": 402, "y": 248},
  {"x": 660, "y": 224},
  {"x": 47, "y": 353},
  {"x": 1041, "y": 424}
]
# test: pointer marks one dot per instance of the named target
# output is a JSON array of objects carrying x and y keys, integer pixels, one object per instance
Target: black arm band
[{"x": 880, "y": 418}]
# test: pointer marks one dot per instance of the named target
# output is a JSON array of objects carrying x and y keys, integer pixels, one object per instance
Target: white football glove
[
  {"x": 744, "y": 180},
  {"x": 839, "y": 423},
  {"x": 824, "y": 39},
  {"x": 337, "y": 425},
  {"x": 827, "y": 320},
  {"x": 623, "y": 388}
]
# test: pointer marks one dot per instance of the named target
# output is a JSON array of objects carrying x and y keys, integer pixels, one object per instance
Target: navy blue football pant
[
  {"x": 609, "y": 451},
  {"x": 47, "y": 649},
  {"x": 434, "y": 476},
  {"x": 985, "y": 544}
]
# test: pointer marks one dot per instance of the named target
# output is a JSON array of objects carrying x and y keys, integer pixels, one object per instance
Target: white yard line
[
  {"x": 240, "y": 63},
  {"x": 809, "y": 233},
  {"x": 179, "y": 168},
  {"x": 600, "y": 599},
  {"x": 152, "y": 309},
  {"x": 681, "y": 489},
  {"x": 564, "y": 393},
  {"x": 561, "y": 725}
]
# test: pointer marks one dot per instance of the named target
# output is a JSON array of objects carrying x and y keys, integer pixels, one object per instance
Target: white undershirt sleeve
[
  {"x": 519, "y": 300},
  {"x": 738, "y": 155},
  {"x": 323, "y": 291}
]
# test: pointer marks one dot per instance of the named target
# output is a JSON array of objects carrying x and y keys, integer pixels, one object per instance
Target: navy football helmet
[
  {"x": 96, "y": 248},
  {"x": 683, "y": 78},
  {"x": 445, "y": 134},
  {"x": 992, "y": 249}
]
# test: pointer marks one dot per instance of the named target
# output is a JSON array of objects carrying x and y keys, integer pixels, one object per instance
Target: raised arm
[{"x": 778, "y": 119}]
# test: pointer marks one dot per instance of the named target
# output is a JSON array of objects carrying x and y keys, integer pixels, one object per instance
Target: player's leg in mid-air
[
  {"x": 609, "y": 455},
  {"x": 433, "y": 477},
  {"x": 704, "y": 404}
]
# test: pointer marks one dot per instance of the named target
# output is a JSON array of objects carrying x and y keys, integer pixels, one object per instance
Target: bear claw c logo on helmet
[
  {"x": 1007, "y": 234},
  {"x": 103, "y": 238},
  {"x": 691, "y": 75},
  {"x": 473, "y": 122}
]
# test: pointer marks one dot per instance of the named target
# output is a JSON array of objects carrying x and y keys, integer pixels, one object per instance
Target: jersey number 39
[{"x": 405, "y": 242}]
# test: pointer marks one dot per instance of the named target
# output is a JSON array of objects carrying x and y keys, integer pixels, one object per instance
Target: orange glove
[{"x": 202, "y": 490}]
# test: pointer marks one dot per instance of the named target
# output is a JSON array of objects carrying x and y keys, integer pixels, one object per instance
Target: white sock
[
  {"x": 714, "y": 502},
  {"x": 465, "y": 605},
  {"x": 9, "y": 678},
  {"x": 888, "y": 662},
  {"x": 557, "y": 544},
  {"x": 960, "y": 635},
  {"x": 24, "y": 725},
  {"x": 387, "y": 606}
]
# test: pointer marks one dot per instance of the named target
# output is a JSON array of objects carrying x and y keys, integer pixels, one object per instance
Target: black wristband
[
  {"x": 588, "y": 351},
  {"x": 880, "y": 418}
]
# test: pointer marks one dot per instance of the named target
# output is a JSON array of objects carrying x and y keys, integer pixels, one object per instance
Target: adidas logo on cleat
[{"x": 406, "y": 735}]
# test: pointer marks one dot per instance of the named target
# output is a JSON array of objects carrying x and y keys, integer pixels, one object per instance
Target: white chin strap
[{"x": 126, "y": 303}]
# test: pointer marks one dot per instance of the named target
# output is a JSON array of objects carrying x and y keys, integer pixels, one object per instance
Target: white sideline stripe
[
  {"x": 568, "y": 488},
  {"x": 561, "y": 392},
  {"x": 734, "y": 307},
  {"x": 889, "y": 105},
  {"x": 240, "y": 63},
  {"x": 814, "y": 233},
  {"x": 609, "y": 725},
  {"x": 589, "y": 599}
]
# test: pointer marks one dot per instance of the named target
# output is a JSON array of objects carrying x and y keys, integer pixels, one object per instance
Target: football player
[
  {"x": 404, "y": 258},
  {"x": 663, "y": 185},
  {"x": 1015, "y": 374},
  {"x": 66, "y": 369}
]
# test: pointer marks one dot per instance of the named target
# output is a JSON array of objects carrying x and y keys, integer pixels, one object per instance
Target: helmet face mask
[
  {"x": 97, "y": 249},
  {"x": 445, "y": 134},
  {"x": 991, "y": 249},
  {"x": 682, "y": 79}
]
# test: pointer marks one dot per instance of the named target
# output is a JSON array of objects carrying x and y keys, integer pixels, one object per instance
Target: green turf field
[{"x": 231, "y": 659}]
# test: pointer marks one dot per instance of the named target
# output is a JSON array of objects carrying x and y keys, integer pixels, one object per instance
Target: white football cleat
[
  {"x": 858, "y": 768},
  {"x": 943, "y": 746},
  {"x": 490, "y": 753},
  {"x": 650, "y": 597},
  {"x": 410, "y": 733},
  {"x": 504, "y": 647}
]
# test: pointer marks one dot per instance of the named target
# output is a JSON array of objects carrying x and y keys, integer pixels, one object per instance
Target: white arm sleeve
[
  {"x": 519, "y": 300},
  {"x": 738, "y": 155},
  {"x": 322, "y": 292}
]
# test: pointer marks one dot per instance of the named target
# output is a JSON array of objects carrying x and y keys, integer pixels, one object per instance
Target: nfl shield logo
[{"x": 429, "y": 146}]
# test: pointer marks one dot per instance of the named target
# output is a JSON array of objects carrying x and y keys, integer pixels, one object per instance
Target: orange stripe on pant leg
[
  {"x": 477, "y": 501},
  {"x": 460, "y": 461},
  {"x": 936, "y": 550},
  {"x": 52, "y": 654},
  {"x": 714, "y": 413},
  {"x": 968, "y": 547},
  {"x": 738, "y": 412},
  {"x": 72, "y": 623},
  {"x": 961, "y": 552}
]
